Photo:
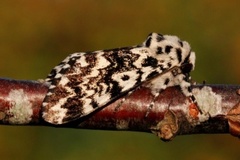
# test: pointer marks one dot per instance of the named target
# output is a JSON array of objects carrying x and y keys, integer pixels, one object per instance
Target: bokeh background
[{"x": 37, "y": 35}]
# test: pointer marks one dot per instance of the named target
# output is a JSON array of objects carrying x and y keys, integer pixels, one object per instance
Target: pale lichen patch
[
  {"x": 20, "y": 111},
  {"x": 208, "y": 101}
]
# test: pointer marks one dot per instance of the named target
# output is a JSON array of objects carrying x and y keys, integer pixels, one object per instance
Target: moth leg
[
  {"x": 157, "y": 85},
  {"x": 184, "y": 82},
  {"x": 172, "y": 78}
]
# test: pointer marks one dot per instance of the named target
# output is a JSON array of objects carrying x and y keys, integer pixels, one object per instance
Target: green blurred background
[{"x": 37, "y": 35}]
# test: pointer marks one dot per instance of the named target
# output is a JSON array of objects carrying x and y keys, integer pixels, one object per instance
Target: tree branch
[{"x": 172, "y": 113}]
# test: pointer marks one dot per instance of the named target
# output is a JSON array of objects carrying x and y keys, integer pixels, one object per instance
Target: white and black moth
[{"x": 86, "y": 81}]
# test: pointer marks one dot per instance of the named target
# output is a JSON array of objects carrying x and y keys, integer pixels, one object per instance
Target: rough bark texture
[{"x": 172, "y": 113}]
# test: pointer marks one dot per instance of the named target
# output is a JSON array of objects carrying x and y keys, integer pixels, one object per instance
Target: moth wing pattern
[{"x": 86, "y": 81}]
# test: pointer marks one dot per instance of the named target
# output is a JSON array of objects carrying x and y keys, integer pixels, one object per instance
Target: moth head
[
  {"x": 152, "y": 40},
  {"x": 169, "y": 47}
]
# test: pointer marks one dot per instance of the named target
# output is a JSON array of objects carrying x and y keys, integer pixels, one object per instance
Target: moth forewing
[{"x": 85, "y": 82}]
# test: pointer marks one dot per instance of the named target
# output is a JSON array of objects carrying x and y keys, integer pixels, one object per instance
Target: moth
[{"x": 86, "y": 81}]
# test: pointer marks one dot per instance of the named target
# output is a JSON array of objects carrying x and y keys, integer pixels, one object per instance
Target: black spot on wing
[
  {"x": 94, "y": 104},
  {"x": 150, "y": 61},
  {"x": 180, "y": 43},
  {"x": 63, "y": 70},
  {"x": 125, "y": 77},
  {"x": 159, "y": 50},
  {"x": 186, "y": 67},
  {"x": 166, "y": 81},
  {"x": 162, "y": 68},
  {"x": 168, "y": 49},
  {"x": 148, "y": 42},
  {"x": 179, "y": 54},
  {"x": 72, "y": 61},
  {"x": 119, "y": 60},
  {"x": 140, "y": 73},
  {"x": 77, "y": 90},
  {"x": 55, "y": 81},
  {"x": 192, "y": 97},
  {"x": 186, "y": 60},
  {"x": 52, "y": 74},
  {"x": 160, "y": 38},
  {"x": 169, "y": 64},
  {"x": 154, "y": 73},
  {"x": 115, "y": 90}
]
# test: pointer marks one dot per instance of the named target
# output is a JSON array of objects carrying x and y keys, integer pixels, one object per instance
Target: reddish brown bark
[{"x": 172, "y": 114}]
